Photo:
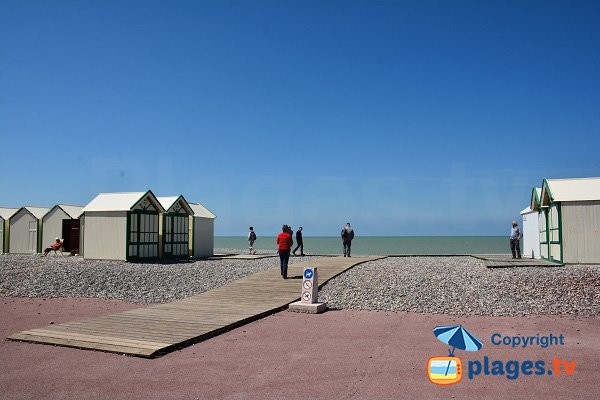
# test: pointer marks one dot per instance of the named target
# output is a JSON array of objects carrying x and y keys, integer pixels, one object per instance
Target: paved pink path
[{"x": 339, "y": 354}]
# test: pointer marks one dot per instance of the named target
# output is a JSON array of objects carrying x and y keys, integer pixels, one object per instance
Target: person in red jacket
[
  {"x": 284, "y": 244},
  {"x": 57, "y": 245}
]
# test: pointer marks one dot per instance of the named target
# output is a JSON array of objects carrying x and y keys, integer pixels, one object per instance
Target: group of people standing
[
  {"x": 288, "y": 229},
  {"x": 285, "y": 243}
]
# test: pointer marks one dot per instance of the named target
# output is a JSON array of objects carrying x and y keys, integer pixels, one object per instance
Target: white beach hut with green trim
[
  {"x": 5, "y": 214},
  {"x": 531, "y": 231},
  {"x": 175, "y": 227},
  {"x": 203, "y": 231},
  {"x": 26, "y": 230},
  {"x": 570, "y": 220},
  {"x": 62, "y": 221},
  {"x": 122, "y": 226}
]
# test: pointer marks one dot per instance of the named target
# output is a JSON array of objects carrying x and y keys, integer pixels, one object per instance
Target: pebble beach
[
  {"x": 464, "y": 286},
  {"x": 52, "y": 277},
  {"x": 435, "y": 285}
]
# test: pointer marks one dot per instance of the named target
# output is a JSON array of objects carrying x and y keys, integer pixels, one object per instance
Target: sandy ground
[{"x": 336, "y": 355}]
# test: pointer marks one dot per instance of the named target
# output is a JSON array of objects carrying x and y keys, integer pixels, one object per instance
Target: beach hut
[
  {"x": 121, "y": 226},
  {"x": 203, "y": 231},
  {"x": 175, "y": 227},
  {"x": 25, "y": 228},
  {"x": 531, "y": 232},
  {"x": 5, "y": 214},
  {"x": 569, "y": 215},
  {"x": 62, "y": 221}
]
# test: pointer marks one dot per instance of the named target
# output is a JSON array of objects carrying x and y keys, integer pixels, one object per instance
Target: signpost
[{"x": 310, "y": 294}]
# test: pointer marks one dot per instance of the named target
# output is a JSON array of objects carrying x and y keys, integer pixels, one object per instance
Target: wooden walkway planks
[
  {"x": 502, "y": 261},
  {"x": 155, "y": 330}
]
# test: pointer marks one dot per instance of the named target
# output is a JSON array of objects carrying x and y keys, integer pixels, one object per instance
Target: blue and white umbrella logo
[{"x": 457, "y": 337}]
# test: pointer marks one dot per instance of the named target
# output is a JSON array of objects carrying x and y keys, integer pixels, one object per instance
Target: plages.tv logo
[
  {"x": 443, "y": 370},
  {"x": 448, "y": 370}
]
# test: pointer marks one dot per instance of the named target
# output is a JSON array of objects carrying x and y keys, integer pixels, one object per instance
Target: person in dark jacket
[
  {"x": 284, "y": 245},
  {"x": 347, "y": 236},
  {"x": 299, "y": 243}
]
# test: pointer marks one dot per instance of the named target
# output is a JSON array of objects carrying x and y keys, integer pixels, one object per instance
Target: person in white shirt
[{"x": 515, "y": 240}]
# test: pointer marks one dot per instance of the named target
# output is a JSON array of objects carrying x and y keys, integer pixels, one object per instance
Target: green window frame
[
  {"x": 176, "y": 235},
  {"x": 142, "y": 234}
]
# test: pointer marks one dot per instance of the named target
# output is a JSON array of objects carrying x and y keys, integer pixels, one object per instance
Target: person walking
[
  {"x": 299, "y": 243},
  {"x": 284, "y": 245},
  {"x": 251, "y": 240},
  {"x": 515, "y": 240},
  {"x": 347, "y": 236}
]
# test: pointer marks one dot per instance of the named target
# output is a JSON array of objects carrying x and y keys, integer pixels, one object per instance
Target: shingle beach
[
  {"x": 35, "y": 276},
  {"x": 464, "y": 286},
  {"x": 448, "y": 285}
]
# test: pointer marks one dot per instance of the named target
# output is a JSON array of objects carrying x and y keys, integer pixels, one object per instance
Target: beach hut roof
[
  {"x": 169, "y": 201},
  {"x": 201, "y": 211},
  {"x": 526, "y": 211},
  {"x": 536, "y": 194},
  {"x": 575, "y": 189},
  {"x": 72, "y": 211},
  {"x": 7, "y": 212},
  {"x": 124, "y": 201},
  {"x": 37, "y": 212}
]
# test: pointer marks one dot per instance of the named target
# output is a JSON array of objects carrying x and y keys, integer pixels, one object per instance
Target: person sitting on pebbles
[{"x": 57, "y": 245}]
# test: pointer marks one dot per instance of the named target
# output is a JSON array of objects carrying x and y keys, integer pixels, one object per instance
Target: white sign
[{"x": 310, "y": 286}]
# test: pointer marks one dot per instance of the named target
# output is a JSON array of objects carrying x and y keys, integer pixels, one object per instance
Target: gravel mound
[
  {"x": 464, "y": 286},
  {"x": 35, "y": 276}
]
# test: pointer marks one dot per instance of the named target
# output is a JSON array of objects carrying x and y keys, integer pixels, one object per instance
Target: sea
[{"x": 382, "y": 245}]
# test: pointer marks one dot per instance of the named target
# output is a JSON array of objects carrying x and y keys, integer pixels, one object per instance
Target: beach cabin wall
[
  {"x": 204, "y": 237},
  {"x": 581, "y": 231},
  {"x": 26, "y": 229},
  {"x": 105, "y": 235},
  {"x": 5, "y": 214},
  {"x": 531, "y": 243},
  {"x": 122, "y": 226},
  {"x": 175, "y": 227},
  {"x": 570, "y": 220},
  {"x": 62, "y": 221},
  {"x": 203, "y": 231}
]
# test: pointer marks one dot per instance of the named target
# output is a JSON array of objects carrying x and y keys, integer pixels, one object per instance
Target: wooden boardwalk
[
  {"x": 503, "y": 261},
  {"x": 155, "y": 330}
]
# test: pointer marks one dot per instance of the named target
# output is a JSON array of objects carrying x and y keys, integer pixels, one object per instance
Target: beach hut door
[{"x": 32, "y": 242}]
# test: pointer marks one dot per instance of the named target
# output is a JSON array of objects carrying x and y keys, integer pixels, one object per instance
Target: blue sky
[{"x": 403, "y": 117}]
